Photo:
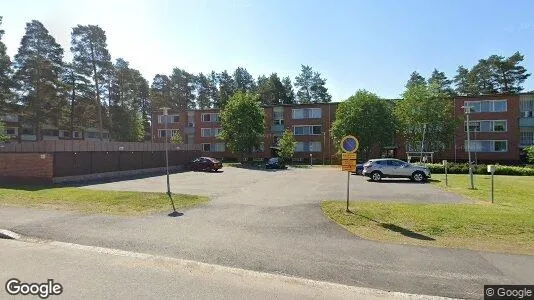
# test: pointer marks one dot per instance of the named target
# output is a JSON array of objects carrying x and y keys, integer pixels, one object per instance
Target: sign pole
[{"x": 348, "y": 189}]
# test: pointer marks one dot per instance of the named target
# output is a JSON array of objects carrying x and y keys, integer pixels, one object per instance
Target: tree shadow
[
  {"x": 175, "y": 214},
  {"x": 28, "y": 187},
  {"x": 395, "y": 228},
  {"x": 257, "y": 167}
]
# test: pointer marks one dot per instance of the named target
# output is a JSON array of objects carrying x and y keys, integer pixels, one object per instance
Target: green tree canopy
[
  {"x": 272, "y": 91},
  {"x": 426, "y": 104},
  {"x": 289, "y": 93},
  {"x": 415, "y": 79},
  {"x": 38, "y": 67},
  {"x": 242, "y": 123},
  {"x": 182, "y": 86},
  {"x": 311, "y": 87},
  {"x": 202, "y": 87},
  {"x": 5, "y": 73},
  {"x": 3, "y": 136},
  {"x": 444, "y": 84},
  {"x": 227, "y": 88},
  {"x": 243, "y": 80},
  {"x": 177, "y": 138},
  {"x": 287, "y": 145},
  {"x": 91, "y": 57},
  {"x": 367, "y": 117}
]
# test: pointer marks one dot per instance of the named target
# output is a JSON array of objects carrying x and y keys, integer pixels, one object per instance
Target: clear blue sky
[{"x": 371, "y": 45}]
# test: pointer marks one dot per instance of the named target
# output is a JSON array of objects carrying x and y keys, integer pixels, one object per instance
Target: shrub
[{"x": 454, "y": 168}]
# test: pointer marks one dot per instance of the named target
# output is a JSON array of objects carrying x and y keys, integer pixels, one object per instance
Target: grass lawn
[
  {"x": 505, "y": 226},
  {"x": 94, "y": 201}
]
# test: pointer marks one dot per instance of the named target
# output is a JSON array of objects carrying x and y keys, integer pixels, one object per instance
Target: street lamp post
[
  {"x": 324, "y": 145},
  {"x": 423, "y": 143},
  {"x": 467, "y": 111},
  {"x": 165, "y": 114}
]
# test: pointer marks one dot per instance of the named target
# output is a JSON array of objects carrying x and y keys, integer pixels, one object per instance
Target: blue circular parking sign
[{"x": 349, "y": 144}]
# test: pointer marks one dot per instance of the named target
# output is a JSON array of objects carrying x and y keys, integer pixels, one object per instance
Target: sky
[{"x": 372, "y": 45}]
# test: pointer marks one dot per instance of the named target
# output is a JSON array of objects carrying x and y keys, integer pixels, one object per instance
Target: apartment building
[
  {"x": 500, "y": 127},
  {"x": 18, "y": 130},
  {"x": 310, "y": 123}
]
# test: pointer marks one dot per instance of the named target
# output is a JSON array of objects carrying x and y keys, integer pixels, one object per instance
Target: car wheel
[
  {"x": 418, "y": 177},
  {"x": 376, "y": 176}
]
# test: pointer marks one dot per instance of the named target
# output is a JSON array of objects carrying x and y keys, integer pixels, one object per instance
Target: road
[
  {"x": 89, "y": 273},
  {"x": 272, "y": 222}
]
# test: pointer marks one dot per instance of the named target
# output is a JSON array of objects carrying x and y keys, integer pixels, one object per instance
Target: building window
[
  {"x": 487, "y": 106},
  {"x": 11, "y": 131},
  {"x": 487, "y": 126},
  {"x": 307, "y": 113},
  {"x": 526, "y": 138},
  {"x": 210, "y": 117},
  {"x": 487, "y": 146},
  {"x": 308, "y": 147},
  {"x": 216, "y": 147},
  {"x": 209, "y": 132},
  {"x": 76, "y": 134},
  {"x": 91, "y": 135},
  {"x": 170, "y": 119},
  {"x": 307, "y": 130}
]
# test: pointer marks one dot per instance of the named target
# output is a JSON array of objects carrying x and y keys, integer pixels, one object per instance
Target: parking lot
[{"x": 285, "y": 187}]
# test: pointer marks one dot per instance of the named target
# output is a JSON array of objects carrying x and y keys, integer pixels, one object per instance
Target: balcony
[
  {"x": 9, "y": 118},
  {"x": 189, "y": 130},
  {"x": 277, "y": 128},
  {"x": 526, "y": 122}
]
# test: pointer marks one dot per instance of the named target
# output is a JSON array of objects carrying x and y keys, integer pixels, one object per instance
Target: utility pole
[
  {"x": 467, "y": 110},
  {"x": 165, "y": 114}
]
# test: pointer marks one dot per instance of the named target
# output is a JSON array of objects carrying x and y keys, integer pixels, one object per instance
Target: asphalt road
[
  {"x": 270, "y": 221},
  {"x": 92, "y": 274}
]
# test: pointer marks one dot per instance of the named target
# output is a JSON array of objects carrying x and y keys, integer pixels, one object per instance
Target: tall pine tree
[
  {"x": 5, "y": 74},
  {"x": 38, "y": 66},
  {"x": 311, "y": 87},
  {"x": 182, "y": 85},
  {"x": 415, "y": 79},
  {"x": 203, "y": 91},
  {"x": 227, "y": 88},
  {"x": 442, "y": 82},
  {"x": 91, "y": 57},
  {"x": 243, "y": 80},
  {"x": 289, "y": 94}
]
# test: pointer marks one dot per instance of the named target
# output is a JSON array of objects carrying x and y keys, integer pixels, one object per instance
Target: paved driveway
[{"x": 272, "y": 222}]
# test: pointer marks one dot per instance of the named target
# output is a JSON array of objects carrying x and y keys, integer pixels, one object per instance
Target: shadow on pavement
[
  {"x": 406, "y": 232},
  {"x": 402, "y": 180},
  {"x": 395, "y": 228},
  {"x": 175, "y": 214},
  {"x": 257, "y": 167}
]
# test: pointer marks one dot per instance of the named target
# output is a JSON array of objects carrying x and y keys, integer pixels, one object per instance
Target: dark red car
[{"x": 204, "y": 164}]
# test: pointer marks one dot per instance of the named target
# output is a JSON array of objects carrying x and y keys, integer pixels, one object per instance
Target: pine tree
[
  {"x": 91, "y": 57},
  {"x": 415, "y": 79},
  {"x": 461, "y": 81},
  {"x": 508, "y": 75},
  {"x": 203, "y": 91},
  {"x": 311, "y": 87},
  {"x": 182, "y": 85},
  {"x": 289, "y": 94},
  {"x": 213, "y": 82},
  {"x": 5, "y": 73},
  {"x": 227, "y": 88},
  {"x": 442, "y": 82},
  {"x": 38, "y": 66},
  {"x": 272, "y": 91},
  {"x": 243, "y": 80},
  {"x": 160, "y": 92}
]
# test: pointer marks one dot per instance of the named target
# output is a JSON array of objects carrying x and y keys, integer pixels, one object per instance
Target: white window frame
[
  {"x": 313, "y": 146},
  {"x": 214, "y": 117},
  {"x": 491, "y": 105},
  {"x": 169, "y": 118},
  {"x": 492, "y": 146},
  {"x": 15, "y": 129},
  {"x": 213, "y": 132},
  {"x": 307, "y": 113},
  {"x": 310, "y": 129},
  {"x": 491, "y": 125}
]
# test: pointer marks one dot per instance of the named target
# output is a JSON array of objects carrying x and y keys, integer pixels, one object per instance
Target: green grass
[
  {"x": 94, "y": 201},
  {"x": 505, "y": 226}
]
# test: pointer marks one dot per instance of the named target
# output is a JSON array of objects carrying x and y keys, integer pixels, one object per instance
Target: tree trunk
[
  {"x": 98, "y": 103},
  {"x": 72, "y": 107}
]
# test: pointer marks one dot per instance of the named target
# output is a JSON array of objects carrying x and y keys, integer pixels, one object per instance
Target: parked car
[
  {"x": 376, "y": 169},
  {"x": 274, "y": 163},
  {"x": 359, "y": 169},
  {"x": 204, "y": 164}
]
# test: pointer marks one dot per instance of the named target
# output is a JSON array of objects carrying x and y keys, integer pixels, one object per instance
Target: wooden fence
[{"x": 91, "y": 146}]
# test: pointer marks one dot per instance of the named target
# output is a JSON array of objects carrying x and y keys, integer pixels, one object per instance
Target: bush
[{"x": 480, "y": 169}]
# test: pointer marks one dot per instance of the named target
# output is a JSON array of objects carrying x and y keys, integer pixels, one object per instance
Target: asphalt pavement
[{"x": 271, "y": 221}]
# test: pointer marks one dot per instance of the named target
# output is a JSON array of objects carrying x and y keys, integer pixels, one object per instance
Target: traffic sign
[
  {"x": 349, "y": 144},
  {"x": 348, "y": 165},
  {"x": 348, "y": 156}
]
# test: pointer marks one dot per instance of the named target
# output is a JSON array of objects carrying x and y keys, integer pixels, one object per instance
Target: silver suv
[{"x": 377, "y": 169}]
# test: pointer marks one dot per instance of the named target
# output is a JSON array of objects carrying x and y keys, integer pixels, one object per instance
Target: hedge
[{"x": 453, "y": 168}]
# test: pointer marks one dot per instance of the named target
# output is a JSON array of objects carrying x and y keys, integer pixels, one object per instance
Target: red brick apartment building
[
  {"x": 310, "y": 123},
  {"x": 501, "y": 126}
]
